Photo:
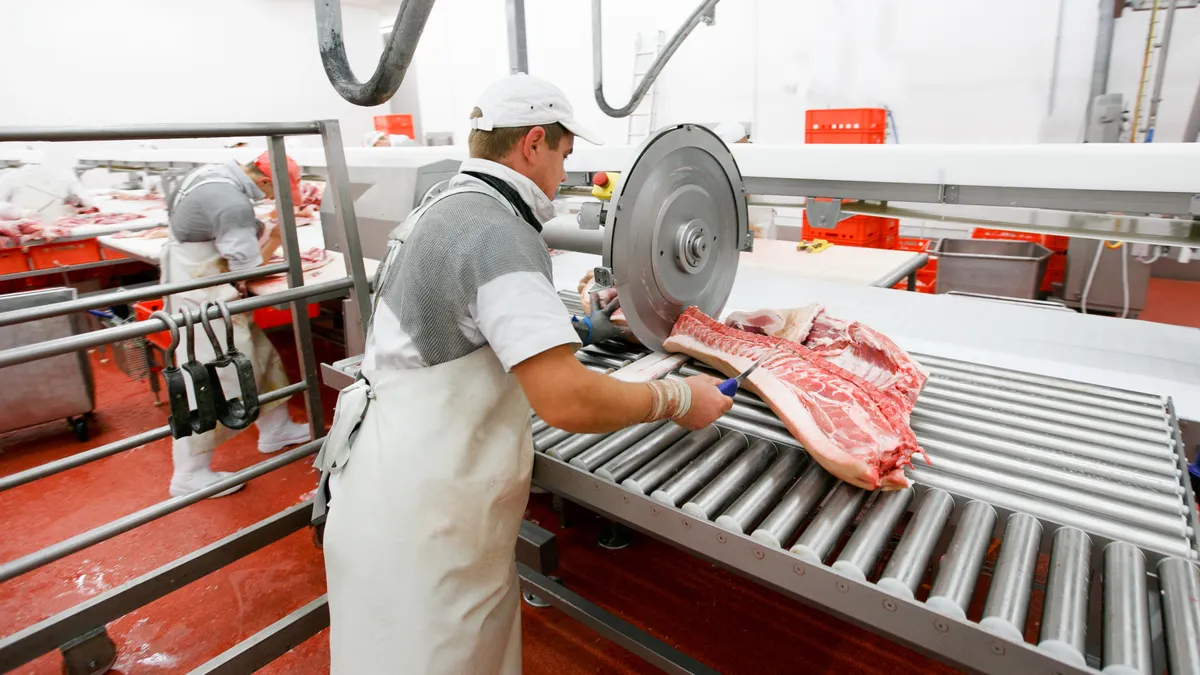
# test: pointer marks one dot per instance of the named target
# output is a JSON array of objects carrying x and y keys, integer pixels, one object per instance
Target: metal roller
[
  {"x": 1161, "y": 449},
  {"x": 1012, "y": 581},
  {"x": 785, "y": 519},
  {"x": 1056, "y": 414},
  {"x": 1088, "y": 410},
  {"x": 594, "y": 454},
  {"x": 575, "y": 445},
  {"x": 759, "y": 416},
  {"x": 700, "y": 470},
  {"x": 907, "y": 565},
  {"x": 955, "y": 582},
  {"x": 1155, "y": 465},
  {"x": 763, "y": 494},
  {"x": 1158, "y": 521},
  {"x": 1179, "y": 581},
  {"x": 649, "y": 477},
  {"x": 549, "y": 438},
  {"x": 1045, "y": 381},
  {"x": 637, "y": 455},
  {"x": 753, "y": 429},
  {"x": 1126, "y": 615},
  {"x": 729, "y": 483},
  {"x": 1039, "y": 463},
  {"x": 601, "y": 360},
  {"x": 836, "y": 514},
  {"x": 1055, "y": 513},
  {"x": 1064, "y": 615},
  {"x": 539, "y": 426},
  {"x": 946, "y": 375},
  {"x": 862, "y": 551}
]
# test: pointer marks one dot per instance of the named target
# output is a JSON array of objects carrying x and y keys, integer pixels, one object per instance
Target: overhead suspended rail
[
  {"x": 393, "y": 62},
  {"x": 703, "y": 13}
]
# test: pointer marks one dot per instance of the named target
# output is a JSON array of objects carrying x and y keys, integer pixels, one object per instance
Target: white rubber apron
[
  {"x": 182, "y": 261},
  {"x": 423, "y": 521}
]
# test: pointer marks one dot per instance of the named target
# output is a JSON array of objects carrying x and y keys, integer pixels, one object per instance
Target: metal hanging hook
[
  {"x": 703, "y": 13},
  {"x": 228, "y": 319},
  {"x": 393, "y": 62},
  {"x": 190, "y": 331},
  {"x": 212, "y": 334},
  {"x": 173, "y": 328}
]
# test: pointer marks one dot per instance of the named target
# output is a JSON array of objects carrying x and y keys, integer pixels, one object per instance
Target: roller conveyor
[{"x": 1023, "y": 467}]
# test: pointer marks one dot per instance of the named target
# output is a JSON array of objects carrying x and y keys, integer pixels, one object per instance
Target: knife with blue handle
[{"x": 729, "y": 387}]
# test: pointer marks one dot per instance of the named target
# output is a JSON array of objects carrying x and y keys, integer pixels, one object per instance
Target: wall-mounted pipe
[
  {"x": 1160, "y": 71},
  {"x": 701, "y": 13},
  {"x": 393, "y": 63}
]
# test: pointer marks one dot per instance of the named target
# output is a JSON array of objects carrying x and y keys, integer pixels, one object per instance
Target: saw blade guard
[{"x": 675, "y": 228}]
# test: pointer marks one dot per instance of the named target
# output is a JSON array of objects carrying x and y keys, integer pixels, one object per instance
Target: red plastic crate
[
  {"x": 846, "y": 119},
  {"x": 1055, "y": 243},
  {"x": 856, "y": 137},
  {"x": 914, "y": 244},
  {"x": 13, "y": 261},
  {"x": 923, "y": 286},
  {"x": 142, "y": 311},
  {"x": 51, "y": 256},
  {"x": 270, "y": 317},
  {"x": 1056, "y": 272},
  {"x": 871, "y": 231},
  {"x": 395, "y": 124}
]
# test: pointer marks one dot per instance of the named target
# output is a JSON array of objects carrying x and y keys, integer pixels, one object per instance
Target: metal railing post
[
  {"x": 300, "y": 323},
  {"x": 343, "y": 206}
]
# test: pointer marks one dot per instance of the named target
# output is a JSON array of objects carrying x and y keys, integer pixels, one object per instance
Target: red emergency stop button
[{"x": 600, "y": 179}]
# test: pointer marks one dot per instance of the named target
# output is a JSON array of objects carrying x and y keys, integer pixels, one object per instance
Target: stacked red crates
[
  {"x": 927, "y": 275},
  {"x": 851, "y": 125},
  {"x": 862, "y": 231},
  {"x": 1056, "y": 266}
]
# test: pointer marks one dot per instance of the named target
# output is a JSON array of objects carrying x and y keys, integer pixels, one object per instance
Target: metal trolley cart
[{"x": 52, "y": 389}]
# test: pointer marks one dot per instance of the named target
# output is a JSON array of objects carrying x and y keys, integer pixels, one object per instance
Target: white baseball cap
[{"x": 524, "y": 101}]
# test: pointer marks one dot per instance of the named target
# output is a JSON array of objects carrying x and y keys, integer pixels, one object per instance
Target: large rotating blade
[{"x": 675, "y": 228}]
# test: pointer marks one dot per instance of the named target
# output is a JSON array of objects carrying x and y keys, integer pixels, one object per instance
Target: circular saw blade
[{"x": 675, "y": 228}]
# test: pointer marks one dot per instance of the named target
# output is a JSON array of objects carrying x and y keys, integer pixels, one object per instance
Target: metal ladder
[{"x": 642, "y": 120}]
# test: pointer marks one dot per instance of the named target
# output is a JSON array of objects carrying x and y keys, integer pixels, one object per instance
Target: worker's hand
[
  {"x": 598, "y": 326},
  {"x": 708, "y": 403},
  {"x": 271, "y": 243}
]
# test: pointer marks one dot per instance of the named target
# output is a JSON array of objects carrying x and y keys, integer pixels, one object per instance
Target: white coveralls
[
  {"x": 441, "y": 463},
  {"x": 183, "y": 261}
]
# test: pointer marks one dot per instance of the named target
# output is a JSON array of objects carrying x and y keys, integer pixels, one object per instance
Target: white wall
[
  {"x": 87, "y": 62},
  {"x": 953, "y": 71}
]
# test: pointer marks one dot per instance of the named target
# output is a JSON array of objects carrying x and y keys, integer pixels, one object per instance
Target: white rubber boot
[
  {"x": 276, "y": 430},
  {"x": 192, "y": 472}
]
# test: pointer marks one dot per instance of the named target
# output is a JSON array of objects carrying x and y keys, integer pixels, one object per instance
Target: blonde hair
[{"x": 497, "y": 143}]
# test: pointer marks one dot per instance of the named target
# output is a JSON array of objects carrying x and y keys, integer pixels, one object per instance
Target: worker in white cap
[
  {"x": 212, "y": 230},
  {"x": 732, "y": 132},
  {"x": 427, "y": 467}
]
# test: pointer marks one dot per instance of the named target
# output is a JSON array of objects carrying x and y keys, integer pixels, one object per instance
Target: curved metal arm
[
  {"x": 393, "y": 63},
  {"x": 701, "y": 13}
]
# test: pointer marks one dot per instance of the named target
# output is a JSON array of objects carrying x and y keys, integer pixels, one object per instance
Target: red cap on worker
[{"x": 264, "y": 165}]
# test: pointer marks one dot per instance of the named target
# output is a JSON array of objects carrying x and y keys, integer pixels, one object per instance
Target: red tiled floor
[{"x": 1172, "y": 301}]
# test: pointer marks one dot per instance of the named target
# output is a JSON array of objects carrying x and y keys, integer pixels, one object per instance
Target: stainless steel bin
[
  {"x": 1012, "y": 269},
  {"x": 60, "y": 387}
]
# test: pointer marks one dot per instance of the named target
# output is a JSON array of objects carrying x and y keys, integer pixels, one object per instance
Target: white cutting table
[
  {"x": 840, "y": 264},
  {"x": 309, "y": 236}
]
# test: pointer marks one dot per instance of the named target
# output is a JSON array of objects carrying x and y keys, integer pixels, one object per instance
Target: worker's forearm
[{"x": 598, "y": 404}]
